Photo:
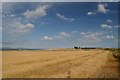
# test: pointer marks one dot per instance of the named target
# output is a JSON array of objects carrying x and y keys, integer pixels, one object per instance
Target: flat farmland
[{"x": 94, "y": 63}]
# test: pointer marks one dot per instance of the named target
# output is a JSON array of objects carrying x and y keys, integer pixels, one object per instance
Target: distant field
[{"x": 94, "y": 63}]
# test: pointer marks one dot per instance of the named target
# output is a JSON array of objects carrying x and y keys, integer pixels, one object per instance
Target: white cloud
[
  {"x": 65, "y": 18},
  {"x": 106, "y": 26},
  {"x": 0, "y": 29},
  {"x": 110, "y": 36},
  {"x": 118, "y": 26},
  {"x": 90, "y": 13},
  {"x": 44, "y": 23},
  {"x": 102, "y": 8},
  {"x": 47, "y": 38},
  {"x": 59, "y": 0},
  {"x": 60, "y": 36},
  {"x": 109, "y": 21},
  {"x": 12, "y": 15},
  {"x": 117, "y": 40},
  {"x": 8, "y": 14},
  {"x": 83, "y": 33},
  {"x": 91, "y": 37},
  {"x": 111, "y": 0},
  {"x": 74, "y": 31},
  {"x": 64, "y": 34},
  {"x": 39, "y": 12},
  {"x": 18, "y": 28}
]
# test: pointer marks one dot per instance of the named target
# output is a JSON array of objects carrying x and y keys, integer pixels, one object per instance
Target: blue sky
[{"x": 59, "y": 25}]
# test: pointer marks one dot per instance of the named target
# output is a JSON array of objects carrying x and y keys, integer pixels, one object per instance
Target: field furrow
[{"x": 59, "y": 64}]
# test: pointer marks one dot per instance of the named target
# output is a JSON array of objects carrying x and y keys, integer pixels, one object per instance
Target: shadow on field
[
  {"x": 111, "y": 69},
  {"x": 119, "y": 68}
]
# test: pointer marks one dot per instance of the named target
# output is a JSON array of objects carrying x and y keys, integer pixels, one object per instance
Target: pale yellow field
[{"x": 59, "y": 64}]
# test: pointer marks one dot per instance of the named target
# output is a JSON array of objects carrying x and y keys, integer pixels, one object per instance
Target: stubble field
[{"x": 94, "y": 63}]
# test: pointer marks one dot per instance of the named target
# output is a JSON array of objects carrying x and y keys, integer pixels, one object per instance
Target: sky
[
  {"x": 60, "y": 0},
  {"x": 59, "y": 24}
]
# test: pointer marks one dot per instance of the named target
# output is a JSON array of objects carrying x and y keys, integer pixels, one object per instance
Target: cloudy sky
[{"x": 58, "y": 25}]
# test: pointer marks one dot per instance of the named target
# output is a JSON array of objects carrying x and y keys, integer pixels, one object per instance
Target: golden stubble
[{"x": 94, "y": 63}]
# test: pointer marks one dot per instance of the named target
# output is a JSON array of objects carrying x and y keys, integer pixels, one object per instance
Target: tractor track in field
[{"x": 63, "y": 64}]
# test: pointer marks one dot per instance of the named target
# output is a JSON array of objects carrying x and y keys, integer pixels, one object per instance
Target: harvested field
[{"x": 95, "y": 63}]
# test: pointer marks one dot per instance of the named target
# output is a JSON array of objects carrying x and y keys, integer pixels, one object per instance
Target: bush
[{"x": 116, "y": 53}]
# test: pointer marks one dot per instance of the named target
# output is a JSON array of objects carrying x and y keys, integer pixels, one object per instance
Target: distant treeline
[
  {"x": 115, "y": 51},
  {"x": 22, "y": 49},
  {"x": 96, "y": 48},
  {"x": 86, "y": 48}
]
